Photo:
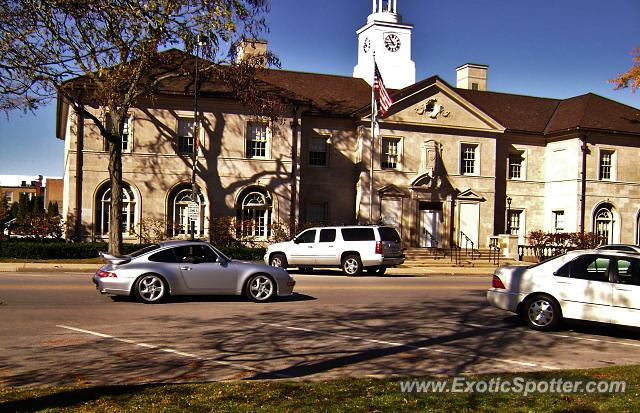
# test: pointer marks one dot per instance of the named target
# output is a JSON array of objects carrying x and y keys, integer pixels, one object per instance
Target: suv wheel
[
  {"x": 278, "y": 260},
  {"x": 352, "y": 265}
]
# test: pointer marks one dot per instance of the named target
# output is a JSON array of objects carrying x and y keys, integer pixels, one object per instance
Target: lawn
[{"x": 345, "y": 395}]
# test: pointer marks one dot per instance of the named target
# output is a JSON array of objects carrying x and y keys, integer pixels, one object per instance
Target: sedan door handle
[{"x": 186, "y": 268}]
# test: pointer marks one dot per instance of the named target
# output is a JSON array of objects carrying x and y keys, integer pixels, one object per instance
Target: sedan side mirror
[{"x": 296, "y": 241}]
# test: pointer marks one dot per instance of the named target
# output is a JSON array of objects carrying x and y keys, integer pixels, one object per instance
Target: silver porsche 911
[{"x": 188, "y": 268}]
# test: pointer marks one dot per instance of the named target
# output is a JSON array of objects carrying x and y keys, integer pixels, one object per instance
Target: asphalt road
[{"x": 56, "y": 329}]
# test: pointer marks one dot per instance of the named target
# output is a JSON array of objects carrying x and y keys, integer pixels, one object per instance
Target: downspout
[
  {"x": 295, "y": 169},
  {"x": 79, "y": 176},
  {"x": 583, "y": 180}
]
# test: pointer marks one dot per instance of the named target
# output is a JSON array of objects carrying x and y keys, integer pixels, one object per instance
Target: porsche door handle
[{"x": 186, "y": 268}]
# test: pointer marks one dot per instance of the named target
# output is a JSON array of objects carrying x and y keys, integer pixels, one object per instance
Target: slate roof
[{"x": 347, "y": 96}]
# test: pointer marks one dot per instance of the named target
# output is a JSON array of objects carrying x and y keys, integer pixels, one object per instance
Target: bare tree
[{"x": 108, "y": 54}]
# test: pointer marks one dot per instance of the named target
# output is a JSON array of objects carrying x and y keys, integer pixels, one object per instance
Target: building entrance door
[
  {"x": 430, "y": 218},
  {"x": 469, "y": 223}
]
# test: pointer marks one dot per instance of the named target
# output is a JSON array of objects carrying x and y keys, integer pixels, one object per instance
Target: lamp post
[
  {"x": 509, "y": 215},
  {"x": 200, "y": 41}
]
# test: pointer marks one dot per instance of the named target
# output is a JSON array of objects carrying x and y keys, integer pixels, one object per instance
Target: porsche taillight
[
  {"x": 106, "y": 274},
  {"x": 497, "y": 283}
]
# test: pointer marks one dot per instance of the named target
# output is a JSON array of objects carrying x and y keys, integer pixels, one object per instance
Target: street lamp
[
  {"x": 508, "y": 215},
  {"x": 200, "y": 41}
]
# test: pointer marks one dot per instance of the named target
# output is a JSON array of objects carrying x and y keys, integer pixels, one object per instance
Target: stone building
[{"x": 451, "y": 164}]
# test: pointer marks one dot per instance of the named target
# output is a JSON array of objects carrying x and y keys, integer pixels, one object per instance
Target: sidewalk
[{"x": 403, "y": 270}]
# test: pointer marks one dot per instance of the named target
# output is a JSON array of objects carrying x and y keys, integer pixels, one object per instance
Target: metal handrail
[
  {"x": 467, "y": 241},
  {"x": 494, "y": 250},
  {"x": 434, "y": 241},
  {"x": 455, "y": 251}
]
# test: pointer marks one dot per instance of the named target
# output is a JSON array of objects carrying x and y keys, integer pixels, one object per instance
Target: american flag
[{"x": 383, "y": 99}]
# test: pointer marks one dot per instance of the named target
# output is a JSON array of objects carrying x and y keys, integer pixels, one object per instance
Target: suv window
[
  {"x": 388, "y": 234},
  {"x": 306, "y": 237},
  {"x": 327, "y": 235},
  {"x": 358, "y": 234}
]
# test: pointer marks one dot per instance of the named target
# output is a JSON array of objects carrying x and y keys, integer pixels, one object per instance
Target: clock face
[
  {"x": 366, "y": 46},
  {"x": 392, "y": 42}
]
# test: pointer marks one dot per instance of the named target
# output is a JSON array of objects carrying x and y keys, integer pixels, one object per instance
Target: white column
[
  {"x": 395, "y": 6},
  {"x": 379, "y": 6},
  {"x": 374, "y": 6}
]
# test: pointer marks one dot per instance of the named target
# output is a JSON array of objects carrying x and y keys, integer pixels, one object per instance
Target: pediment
[
  {"x": 470, "y": 195},
  {"x": 424, "y": 179},
  {"x": 391, "y": 191},
  {"x": 437, "y": 104}
]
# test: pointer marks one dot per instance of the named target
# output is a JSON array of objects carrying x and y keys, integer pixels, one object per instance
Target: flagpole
[{"x": 374, "y": 114}]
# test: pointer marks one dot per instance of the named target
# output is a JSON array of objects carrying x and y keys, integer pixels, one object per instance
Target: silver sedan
[{"x": 188, "y": 268}]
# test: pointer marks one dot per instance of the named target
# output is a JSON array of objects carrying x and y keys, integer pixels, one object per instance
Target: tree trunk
[{"x": 115, "y": 215}]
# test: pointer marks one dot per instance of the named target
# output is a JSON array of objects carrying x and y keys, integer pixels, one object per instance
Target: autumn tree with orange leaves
[{"x": 631, "y": 78}]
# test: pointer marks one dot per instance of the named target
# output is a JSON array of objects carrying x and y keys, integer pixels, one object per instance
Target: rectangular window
[
  {"x": 606, "y": 165},
  {"x": 514, "y": 222},
  {"x": 318, "y": 151},
  {"x": 558, "y": 221},
  {"x": 515, "y": 165},
  {"x": 9, "y": 197},
  {"x": 469, "y": 156},
  {"x": 125, "y": 126},
  {"x": 186, "y": 136},
  {"x": 257, "y": 140},
  {"x": 390, "y": 153}
]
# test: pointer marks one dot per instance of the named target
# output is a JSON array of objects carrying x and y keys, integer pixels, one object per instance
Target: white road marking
[
  {"x": 169, "y": 350},
  {"x": 397, "y": 344}
]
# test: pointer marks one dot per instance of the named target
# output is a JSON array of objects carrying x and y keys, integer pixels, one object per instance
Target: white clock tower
[{"x": 390, "y": 40}]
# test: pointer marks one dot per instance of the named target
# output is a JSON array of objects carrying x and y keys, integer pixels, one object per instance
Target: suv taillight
[
  {"x": 497, "y": 283},
  {"x": 101, "y": 273},
  {"x": 378, "y": 247}
]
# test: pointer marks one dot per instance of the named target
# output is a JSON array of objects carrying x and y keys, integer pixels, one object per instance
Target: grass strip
[{"x": 351, "y": 395}]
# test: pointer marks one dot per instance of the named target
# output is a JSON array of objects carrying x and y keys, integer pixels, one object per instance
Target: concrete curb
[
  {"x": 421, "y": 271},
  {"x": 47, "y": 267}
]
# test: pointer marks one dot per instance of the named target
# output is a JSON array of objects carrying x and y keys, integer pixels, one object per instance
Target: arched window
[
  {"x": 103, "y": 211},
  {"x": 179, "y": 222},
  {"x": 254, "y": 213},
  {"x": 603, "y": 224}
]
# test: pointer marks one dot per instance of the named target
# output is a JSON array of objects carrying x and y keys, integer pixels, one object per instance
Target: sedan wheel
[
  {"x": 542, "y": 313},
  {"x": 260, "y": 288},
  {"x": 351, "y": 265},
  {"x": 150, "y": 289}
]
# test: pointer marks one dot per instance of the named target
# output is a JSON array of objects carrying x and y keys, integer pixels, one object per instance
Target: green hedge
[
  {"x": 244, "y": 253},
  {"x": 67, "y": 250},
  {"x": 57, "y": 250}
]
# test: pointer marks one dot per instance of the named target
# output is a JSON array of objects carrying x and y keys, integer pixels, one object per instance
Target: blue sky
[{"x": 550, "y": 48}]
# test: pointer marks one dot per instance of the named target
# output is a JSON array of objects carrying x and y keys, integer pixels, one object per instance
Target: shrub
[{"x": 57, "y": 250}]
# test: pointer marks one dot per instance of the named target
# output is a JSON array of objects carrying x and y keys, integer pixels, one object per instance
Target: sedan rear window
[{"x": 389, "y": 234}]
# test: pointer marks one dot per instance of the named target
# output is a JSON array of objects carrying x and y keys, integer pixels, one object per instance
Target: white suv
[{"x": 372, "y": 248}]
